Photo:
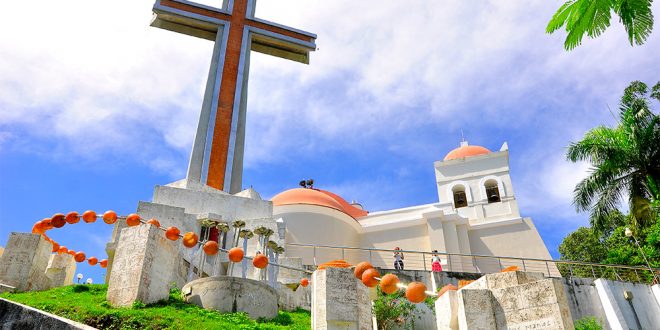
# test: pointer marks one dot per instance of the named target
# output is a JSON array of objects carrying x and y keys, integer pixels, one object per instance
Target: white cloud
[{"x": 94, "y": 80}]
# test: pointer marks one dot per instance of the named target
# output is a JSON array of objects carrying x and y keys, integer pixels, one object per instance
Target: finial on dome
[{"x": 464, "y": 143}]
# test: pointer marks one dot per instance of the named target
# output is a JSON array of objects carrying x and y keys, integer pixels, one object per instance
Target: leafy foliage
[
  {"x": 625, "y": 159},
  {"x": 592, "y": 17},
  {"x": 392, "y": 309},
  {"x": 612, "y": 247},
  {"x": 588, "y": 323},
  {"x": 90, "y": 307}
]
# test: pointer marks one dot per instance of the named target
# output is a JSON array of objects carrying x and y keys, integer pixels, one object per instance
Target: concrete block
[
  {"x": 23, "y": 264},
  {"x": 537, "y": 305},
  {"x": 145, "y": 264},
  {"x": 61, "y": 269},
  {"x": 291, "y": 299},
  {"x": 232, "y": 294},
  {"x": 505, "y": 280},
  {"x": 290, "y": 276},
  {"x": 339, "y": 301},
  {"x": 475, "y": 309},
  {"x": 446, "y": 311}
]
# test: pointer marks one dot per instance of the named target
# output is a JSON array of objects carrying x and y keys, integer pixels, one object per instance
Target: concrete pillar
[
  {"x": 464, "y": 248},
  {"x": 61, "y": 269},
  {"x": 145, "y": 264},
  {"x": 339, "y": 301},
  {"x": 446, "y": 311},
  {"x": 475, "y": 310},
  {"x": 23, "y": 264}
]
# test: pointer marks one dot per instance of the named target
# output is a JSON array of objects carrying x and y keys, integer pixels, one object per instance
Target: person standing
[
  {"x": 398, "y": 259},
  {"x": 436, "y": 266}
]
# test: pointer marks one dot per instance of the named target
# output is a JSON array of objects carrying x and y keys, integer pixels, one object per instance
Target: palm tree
[
  {"x": 593, "y": 18},
  {"x": 625, "y": 160}
]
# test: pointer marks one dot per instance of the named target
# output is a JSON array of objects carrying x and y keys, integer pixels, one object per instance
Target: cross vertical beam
[{"x": 217, "y": 156}]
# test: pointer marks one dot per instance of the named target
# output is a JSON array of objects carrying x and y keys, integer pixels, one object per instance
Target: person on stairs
[{"x": 398, "y": 259}]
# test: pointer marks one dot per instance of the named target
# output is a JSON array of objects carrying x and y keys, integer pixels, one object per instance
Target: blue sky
[{"x": 96, "y": 107}]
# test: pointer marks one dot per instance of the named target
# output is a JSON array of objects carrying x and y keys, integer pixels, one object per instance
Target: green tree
[
  {"x": 592, "y": 17},
  {"x": 583, "y": 245},
  {"x": 624, "y": 160},
  {"x": 392, "y": 309}
]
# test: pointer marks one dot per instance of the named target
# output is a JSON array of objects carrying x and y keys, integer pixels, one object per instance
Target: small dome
[
  {"x": 310, "y": 196},
  {"x": 466, "y": 150}
]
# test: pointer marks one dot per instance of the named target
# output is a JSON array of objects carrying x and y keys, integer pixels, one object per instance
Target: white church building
[
  {"x": 476, "y": 214},
  {"x": 475, "y": 221}
]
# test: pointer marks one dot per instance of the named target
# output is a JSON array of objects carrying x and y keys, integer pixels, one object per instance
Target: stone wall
[
  {"x": 17, "y": 316},
  {"x": 583, "y": 300}
]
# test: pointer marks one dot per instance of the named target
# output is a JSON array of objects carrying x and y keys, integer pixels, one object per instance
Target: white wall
[{"x": 621, "y": 313}]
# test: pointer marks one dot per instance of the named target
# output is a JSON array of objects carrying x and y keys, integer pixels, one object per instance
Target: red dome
[
  {"x": 466, "y": 151},
  {"x": 317, "y": 197}
]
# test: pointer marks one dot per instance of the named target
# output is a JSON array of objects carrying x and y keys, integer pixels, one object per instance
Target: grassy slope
[{"x": 87, "y": 304}]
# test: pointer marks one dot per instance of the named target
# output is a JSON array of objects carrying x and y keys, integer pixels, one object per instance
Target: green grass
[{"x": 87, "y": 304}]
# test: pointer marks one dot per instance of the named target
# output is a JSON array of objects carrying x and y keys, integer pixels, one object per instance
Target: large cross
[{"x": 217, "y": 155}]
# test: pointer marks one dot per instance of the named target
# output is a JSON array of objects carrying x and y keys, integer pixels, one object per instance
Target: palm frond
[
  {"x": 637, "y": 18},
  {"x": 590, "y": 17},
  {"x": 559, "y": 18}
]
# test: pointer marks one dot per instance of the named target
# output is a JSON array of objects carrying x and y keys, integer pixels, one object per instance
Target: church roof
[
  {"x": 311, "y": 196},
  {"x": 466, "y": 150}
]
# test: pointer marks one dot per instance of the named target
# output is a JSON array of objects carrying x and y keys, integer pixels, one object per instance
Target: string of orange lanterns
[{"x": 415, "y": 292}]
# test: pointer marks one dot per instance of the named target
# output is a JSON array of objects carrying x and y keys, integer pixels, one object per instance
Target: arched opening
[
  {"x": 460, "y": 199},
  {"x": 492, "y": 191}
]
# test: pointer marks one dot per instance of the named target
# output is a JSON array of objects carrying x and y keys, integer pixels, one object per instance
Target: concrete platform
[{"x": 233, "y": 294}]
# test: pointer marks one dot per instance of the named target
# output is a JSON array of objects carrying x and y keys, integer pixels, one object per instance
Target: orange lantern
[
  {"x": 211, "y": 248},
  {"x": 416, "y": 292},
  {"x": 334, "y": 264},
  {"x": 448, "y": 287},
  {"x": 92, "y": 261},
  {"x": 71, "y": 252},
  {"x": 62, "y": 249},
  {"x": 360, "y": 268},
  {"x": 133, "y": 220},
  {"x": 260, "y": 261},
  {"x": 79, "y": 256},
  {"x": 103, "y": 263},
  {"x": 46, "y": 224},
  {"x": 58, "y": 220},
  {"x": 38, "y": 228},
  {"x": 304, "y": 282},
  {"x": 172, "y": 233},
  {"x": 388, "y": 283},
  {"x": 154, "y": 222},
  {"x": 89, "y": 216},
  {"x": 110, "y": 217},
  {"x": 72, "y": 217},
  {"x": 56, "y": 247},
  {"x": 236, "y": 254},
  {"x": 369, "y": 277},
  {"x": 190, "y": 239}
]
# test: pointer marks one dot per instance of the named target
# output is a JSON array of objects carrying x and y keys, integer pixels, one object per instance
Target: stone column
[
  {"x": 23, "y": 264},
  {"x": 339, "y": 300},
  {"x": 61, "y": 269},
  {"x": 144, "y": 266},
  {"x": 446, "y": 311}
]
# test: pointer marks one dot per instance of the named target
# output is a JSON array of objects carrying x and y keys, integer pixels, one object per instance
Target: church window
[
  {"x": 460, "y": 199},
  {"x": 492, "y": 191}
]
